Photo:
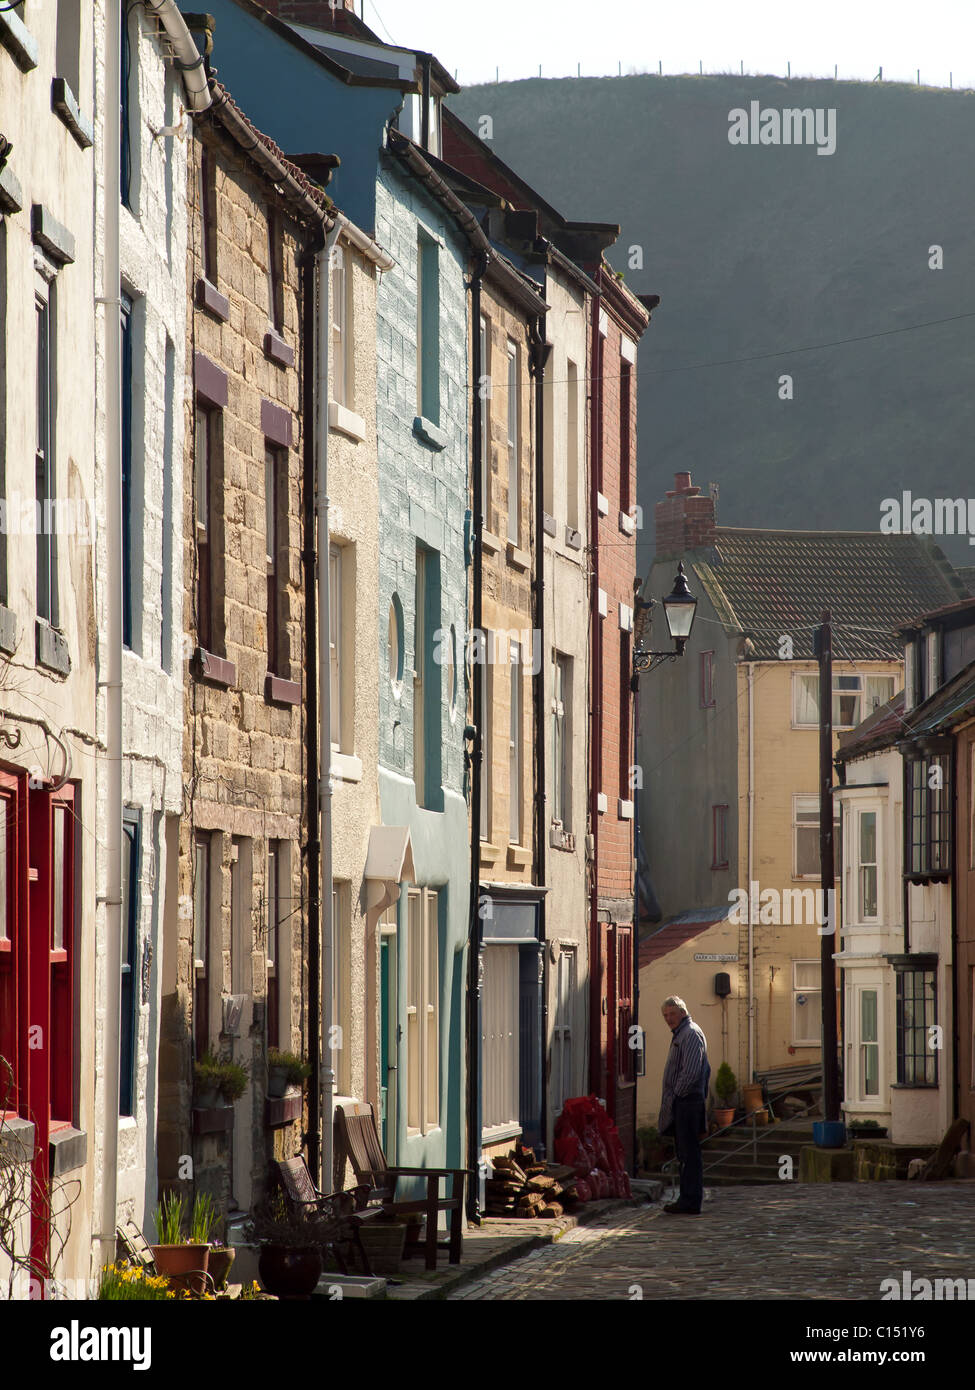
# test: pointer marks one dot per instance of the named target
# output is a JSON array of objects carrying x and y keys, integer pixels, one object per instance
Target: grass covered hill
[{"x": 757, "y": 250}]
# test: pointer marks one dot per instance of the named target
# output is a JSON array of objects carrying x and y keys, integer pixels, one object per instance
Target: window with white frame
[
  {"x": 514, "y": 462},
  {"x": 45, "y": 468},
  {"x": 806, "y": 1007},
  {"x": 338, "y": 1044},
  {"x": 499, "y": 1038},
  {"x": 335, "y": 643},
  {"x": 805, "y": 835},
  {"x": 562, "y": 1042},
  {"x": 866, "y": 846},
  {"x": 423, "y": 1010},
  {"x": 869, "y": 1060},
  {"x": 342, "y": 386},
  {"x": 572, "y": 445},
  {"x": 855, "y": 697},
  {"x": 515, "y": 745},
  {"x": 562, "y": 740}
]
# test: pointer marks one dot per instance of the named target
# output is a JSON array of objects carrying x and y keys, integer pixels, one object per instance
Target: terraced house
[
  {"x": 330, "y": 83},
  {"x": 236, "y": 945}
]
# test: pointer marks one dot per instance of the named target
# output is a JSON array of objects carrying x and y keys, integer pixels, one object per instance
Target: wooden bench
[
  {"x": 340, "y": 1208},
  {"x": 361, "y": 1145}
]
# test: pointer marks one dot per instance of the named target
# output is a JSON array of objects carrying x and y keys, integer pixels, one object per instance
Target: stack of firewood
[{"x": 524, "y": 1189}]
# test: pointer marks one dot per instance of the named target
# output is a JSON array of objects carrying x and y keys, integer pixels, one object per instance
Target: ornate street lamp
[{"x": 679, "y": 606}]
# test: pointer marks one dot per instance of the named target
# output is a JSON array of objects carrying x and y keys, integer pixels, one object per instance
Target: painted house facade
[
  {"x": 732, "y": 727},
  {"x": 906, "y": 797},
  {"x": 357, "y": 88},
  {"x": 48, "y": 724}
]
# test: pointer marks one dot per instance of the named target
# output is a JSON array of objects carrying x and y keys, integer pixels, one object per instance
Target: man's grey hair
[{"x": 676, "y": 1002}]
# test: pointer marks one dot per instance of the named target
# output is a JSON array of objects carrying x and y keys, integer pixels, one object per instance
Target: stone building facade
[{"x": 233, "y": 974}]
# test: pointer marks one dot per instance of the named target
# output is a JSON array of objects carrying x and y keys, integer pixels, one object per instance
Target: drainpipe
[
  {"x": 474, "y": 929},
  {"x": 188, "y": 59},
  {"x": 111, "y": 302},
  {"x": 595, "y": 691},
  {"x": 751, "y": 863},
  {"x": 308, "y": 405},
  {"x": 325, "y": 701},
  {"x": 540, "y": 353}
]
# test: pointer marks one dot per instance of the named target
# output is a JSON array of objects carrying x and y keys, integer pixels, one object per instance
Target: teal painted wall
[{"x": 423, "y": 495}]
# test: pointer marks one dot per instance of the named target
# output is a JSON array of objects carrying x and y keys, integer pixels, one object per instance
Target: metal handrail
[{"x": 730, "y": 1153}]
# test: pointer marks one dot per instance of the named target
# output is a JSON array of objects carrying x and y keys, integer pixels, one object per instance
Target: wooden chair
[
  {"x": 360, "y": 1142},
  {"x": 340, "y": 1208}
]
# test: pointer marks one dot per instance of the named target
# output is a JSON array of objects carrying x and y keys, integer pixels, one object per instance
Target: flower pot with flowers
[
  {"x": 183, "y": 1260},
  {"x": 284, "y": 1069}
]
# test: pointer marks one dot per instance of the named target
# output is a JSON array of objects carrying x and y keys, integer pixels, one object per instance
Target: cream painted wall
[{"x": 567, "y": 631}]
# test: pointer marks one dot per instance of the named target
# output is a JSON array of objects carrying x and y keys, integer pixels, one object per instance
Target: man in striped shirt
[{"x": 687, "y": 1076}]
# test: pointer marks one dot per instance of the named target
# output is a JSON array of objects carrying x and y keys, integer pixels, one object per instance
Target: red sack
[{"x": 583, "y": 1191}]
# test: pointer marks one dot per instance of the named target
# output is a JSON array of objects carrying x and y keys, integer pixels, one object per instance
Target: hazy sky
[{"x": 858, "y": 36}]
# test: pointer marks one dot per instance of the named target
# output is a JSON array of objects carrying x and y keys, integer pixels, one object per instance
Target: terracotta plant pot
[
  {"x": 221, "y": 1258},
  {"x": 185, "y": 1266},
  {"x": 290, "y": 1271},
  {"x": 723, "y": 1117},
  {"x": 751, "y": 1097}
]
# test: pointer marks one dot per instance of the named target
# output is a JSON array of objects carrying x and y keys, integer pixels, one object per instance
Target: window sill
[
  {"x": 627, "y": 524},
  {"x": 429, "y": 432},
  {"x": 490, "y": 543},
  {"x": 602, "y": 803},
  {"x": 518, "y": 559},
  {"x": 624, "y": 809},
  {"x": 217, "y": 1120},
  {"x": 16, "y": 1138},
  {"x": 277, "y": 350},
  {"x": 8, "y": 630},
  {"x": 573, "y": 538},
  {"x": 346, "y": 421},
  {"x": 209, "y": 297},
  {"x": 65, "y": 105},
  {"x": 18, "y": 40},
  {"x": 717, "y": 868},
  {"x": 498, "y": 1133},
  {"x": 518, "y": 856},
  {"x": 346, "y": 767},
  {"x": 602, "y": 504},
  {"x": 278, "y": 691},
  {"x": 68, "y": 1149},
  {"x": 549, "y": 525},
  {"x": 52, "y": 648},
  {"x": 215, "y": 669},
  {"x": 490, "y": 854}
]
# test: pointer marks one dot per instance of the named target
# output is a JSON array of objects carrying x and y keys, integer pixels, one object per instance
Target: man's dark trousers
[{"x": 688, "y": 1126}]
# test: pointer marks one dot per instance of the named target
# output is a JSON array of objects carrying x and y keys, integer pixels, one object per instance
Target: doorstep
[{"x": 498, "y": 1241}]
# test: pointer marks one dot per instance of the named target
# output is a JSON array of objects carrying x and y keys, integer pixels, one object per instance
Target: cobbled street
[{"x": 832, "y": 1241}]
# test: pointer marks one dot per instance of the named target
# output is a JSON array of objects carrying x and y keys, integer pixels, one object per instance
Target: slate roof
[
  {"x": 679, "y": 930},
  {"x": 776, "y": 583}
]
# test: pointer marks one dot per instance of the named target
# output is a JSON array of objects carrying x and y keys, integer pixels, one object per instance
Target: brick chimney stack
[
  {"x": 684, "y": 519},
  {"x": 319, "y": 14}
]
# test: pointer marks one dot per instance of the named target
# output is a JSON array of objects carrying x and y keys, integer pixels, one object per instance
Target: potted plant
[
  {"x": 203, "y": 1221},
  {"x": 290, "y": 1262},
  {"x": 653, "y": 1150},
  {"x": 183, "y": 1262},
  {"x": 284, "y": 1069},
  {"x": 725, "y": 1086},
  {"x": 218, "y": 1078}
]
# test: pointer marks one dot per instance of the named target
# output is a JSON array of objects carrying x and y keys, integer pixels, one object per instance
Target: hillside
[{"x": 758, "y": 249}]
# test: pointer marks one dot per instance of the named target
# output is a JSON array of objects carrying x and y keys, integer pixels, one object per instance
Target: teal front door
[{"x": 388, "y": 1043}]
